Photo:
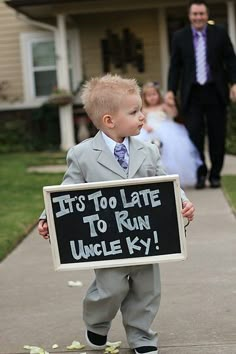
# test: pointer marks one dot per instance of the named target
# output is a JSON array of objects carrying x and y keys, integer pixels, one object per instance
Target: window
[
  {"x": 39, "y": 63},
  {"x": 43, "y": 67}
]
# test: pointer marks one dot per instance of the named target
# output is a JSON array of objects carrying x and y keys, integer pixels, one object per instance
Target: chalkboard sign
[{"x": 115, "y": 223}]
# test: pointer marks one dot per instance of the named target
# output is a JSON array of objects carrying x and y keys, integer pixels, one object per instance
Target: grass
[
  {"x": 21, "y": 194},
  {"x": 229, "y": 187}
]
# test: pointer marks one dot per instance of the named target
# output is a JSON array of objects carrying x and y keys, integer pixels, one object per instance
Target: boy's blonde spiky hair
[{"x": 102, "y": 95}]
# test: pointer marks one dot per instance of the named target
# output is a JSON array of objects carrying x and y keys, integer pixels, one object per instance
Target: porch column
[
  {"x": 231, "y": 22},
  {"x": 65, "y": 112},
  {"x": 164, "y": 48}
]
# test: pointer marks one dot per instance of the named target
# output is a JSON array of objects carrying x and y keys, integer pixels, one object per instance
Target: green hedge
[
  {"x": 30, "y": 130},
  {"x": 231, "y": 131},
  {"x": 38, "y": 130}
]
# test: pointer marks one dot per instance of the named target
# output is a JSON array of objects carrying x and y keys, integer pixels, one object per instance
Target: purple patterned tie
[
  {"x": 201, "y": 60},
  {"x": 119, "y": 152}
]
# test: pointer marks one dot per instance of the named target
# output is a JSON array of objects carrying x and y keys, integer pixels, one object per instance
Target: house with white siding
[{"x": 48, "y": 43}]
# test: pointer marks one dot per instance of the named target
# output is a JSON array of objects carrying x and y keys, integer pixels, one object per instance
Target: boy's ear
[{"x": 108, "y": 121}]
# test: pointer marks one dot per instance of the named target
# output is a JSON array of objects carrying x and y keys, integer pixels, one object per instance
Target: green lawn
[
  {"x": 21, "y": 194},
  {"x": 22, "y": 199},
  {"x": 229, "y": 188}
]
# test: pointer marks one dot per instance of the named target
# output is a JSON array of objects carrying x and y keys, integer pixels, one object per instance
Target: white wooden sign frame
[{"x": 47, "y": 190}]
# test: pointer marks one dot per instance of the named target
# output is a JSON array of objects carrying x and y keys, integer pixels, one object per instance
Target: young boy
[{"x": 114, "y": 105}]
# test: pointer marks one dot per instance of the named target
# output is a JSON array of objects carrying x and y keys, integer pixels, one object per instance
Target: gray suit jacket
[{"x": 92, "y": 161}]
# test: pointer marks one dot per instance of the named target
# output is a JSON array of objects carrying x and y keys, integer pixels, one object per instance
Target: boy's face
[{"x": 129, "y": 119}]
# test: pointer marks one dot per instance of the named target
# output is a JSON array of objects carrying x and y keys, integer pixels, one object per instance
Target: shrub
[
  {"x": 231, "y": 130},
  {"x": 30, "y": 130}
]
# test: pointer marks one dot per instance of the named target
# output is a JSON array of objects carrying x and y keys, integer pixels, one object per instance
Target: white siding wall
[
  {"x": 142, "y": 23},
  {"x": 10, "y": 57},
  {"x": 92, "y": 28}
]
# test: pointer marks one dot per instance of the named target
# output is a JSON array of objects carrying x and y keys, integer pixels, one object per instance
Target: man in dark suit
[{"x": 204, "y": 62}]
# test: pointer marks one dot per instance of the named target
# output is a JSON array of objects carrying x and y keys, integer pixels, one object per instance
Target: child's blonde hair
[
  {"x": 102, "y": 95},
  {"x": 154, "y": 86}
]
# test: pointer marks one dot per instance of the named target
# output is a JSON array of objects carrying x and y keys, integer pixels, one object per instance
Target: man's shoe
[
  {"x": 215, "y": 183},
  {"x": 201, "y": 182},
  {"x": 146, "y": 350},
  {"x": 95, "y": 341}
]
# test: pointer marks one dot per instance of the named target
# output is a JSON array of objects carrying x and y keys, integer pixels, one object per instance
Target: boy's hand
[
  {"x": 43, "y": 229},
  {"x": 188, "y": 210}
]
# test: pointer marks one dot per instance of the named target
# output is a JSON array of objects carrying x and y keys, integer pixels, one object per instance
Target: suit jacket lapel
[
  {"x": 136, "y": 156},
  {"x": 106, "y": 158},
  {"x": 189, "y": 42},
  {"x": 210, "y": 41}
]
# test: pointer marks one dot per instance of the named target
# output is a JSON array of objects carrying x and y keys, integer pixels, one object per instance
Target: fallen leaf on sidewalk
[
  {"x": 75, "y": 345},
  {"x": 35, "y": 350},
  {"x": 73, "y": 283},
  {"x": 112, "y": 347},
  {"x": 111, "y": 350},
  {"x": 114, "y": 344},
  {"x": 55, "y": 346}
]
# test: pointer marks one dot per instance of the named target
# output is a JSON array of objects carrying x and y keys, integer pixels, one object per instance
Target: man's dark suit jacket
[{"x": 221, "y": 59}]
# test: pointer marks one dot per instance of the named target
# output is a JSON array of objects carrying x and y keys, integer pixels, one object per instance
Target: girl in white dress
[{"x": 179, "y": 155}]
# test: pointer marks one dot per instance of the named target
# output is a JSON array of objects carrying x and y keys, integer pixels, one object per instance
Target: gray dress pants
[{"x": 135, "y": 290}]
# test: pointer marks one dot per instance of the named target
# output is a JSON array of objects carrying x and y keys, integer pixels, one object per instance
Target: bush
[
  {"x": 231, "y": 130},
  {"x": 45, "y": 121},
  {"x": 30, "y": 130}
]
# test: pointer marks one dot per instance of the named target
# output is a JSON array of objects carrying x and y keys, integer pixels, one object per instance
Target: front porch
[{"x": 130, "y": 38}]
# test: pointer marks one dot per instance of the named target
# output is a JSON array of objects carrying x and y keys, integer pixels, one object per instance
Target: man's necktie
[
  {"x": 119, "y": 152},
  {"x": 201, "y": 67}
]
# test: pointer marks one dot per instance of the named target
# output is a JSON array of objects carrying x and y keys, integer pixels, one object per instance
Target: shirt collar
[
  {"x": 112, "y": 143},
  {"x": 195, "y": 32}
]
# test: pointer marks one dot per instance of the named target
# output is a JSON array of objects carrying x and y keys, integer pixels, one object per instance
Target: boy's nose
[{"x": 142, "y": 117}]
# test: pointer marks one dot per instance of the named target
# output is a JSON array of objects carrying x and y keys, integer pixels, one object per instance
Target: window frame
[{"x": 26, "y": 41}]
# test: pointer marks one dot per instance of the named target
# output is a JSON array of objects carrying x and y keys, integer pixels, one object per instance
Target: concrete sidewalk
[{"x": 198, "y": 308}]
